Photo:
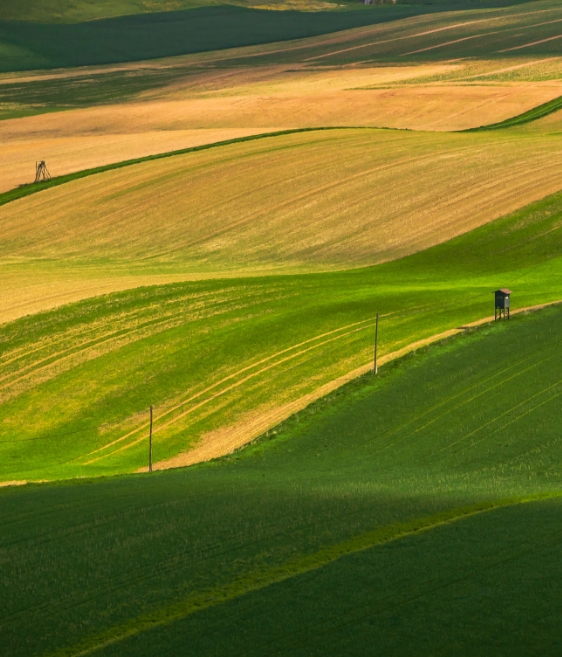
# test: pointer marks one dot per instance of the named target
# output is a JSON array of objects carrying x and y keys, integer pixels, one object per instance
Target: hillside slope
[
  {"x": 309, "y": 201},
  {"x": 479, "y": 31},
  {"x": 64, "y": 11},
  {"x": 223, "y": 361},
  {"x": 155, "y": 563}
]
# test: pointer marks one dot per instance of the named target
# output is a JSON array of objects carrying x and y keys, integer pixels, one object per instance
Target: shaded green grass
[
  {"x": 492, "y": 587},
  {"x": 25, "y": 46},
  {"x": 28, "y": 45},
  {"x": 456, "y": 429}
]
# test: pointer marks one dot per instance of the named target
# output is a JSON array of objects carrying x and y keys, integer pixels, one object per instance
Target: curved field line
[
  {"x": 533, "y": 43},
  {"x": 249, "y": 432},
  {"x": 502, "y": 415},
  {"x": 9, "y": 356},
  {"x": 237, "y": 384},
  {"x": 72, "y": 351},
  {"x": 501, "y": 31},
  {"x": 534, "y": 114},
  {"x": 459, "y": 405},
  {"x": 449, "y": 400},
  {"x": 450, "y": 43},
  {"x": 27, "y": 190},
  {"x": 439, "y": 29},
  {"x": 160, "y": 322},
  {"x": 260, "y": 579}
]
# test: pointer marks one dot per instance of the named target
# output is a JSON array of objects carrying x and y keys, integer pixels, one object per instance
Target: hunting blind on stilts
[
  {"x": 502, "y": 304},
  {"x": 41, "y": 172}
]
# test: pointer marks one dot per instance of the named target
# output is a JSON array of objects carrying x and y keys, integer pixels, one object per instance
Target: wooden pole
[
  {"x": 375, "y": 368},
  {"x": 150, "y": 444}
]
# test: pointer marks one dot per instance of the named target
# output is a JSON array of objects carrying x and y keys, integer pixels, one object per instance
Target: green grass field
[
  {"x": 326, "y": 511},
  {"x": 29, "y": 45},
  {"x": 216, "y": 353},
  {"x": 381, "y": 514}
]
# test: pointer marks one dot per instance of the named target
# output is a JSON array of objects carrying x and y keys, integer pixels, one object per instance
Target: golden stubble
[{"x": 311, "y": 201}]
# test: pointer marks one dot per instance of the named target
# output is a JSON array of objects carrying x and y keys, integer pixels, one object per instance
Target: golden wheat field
[
  {"x": 83, "y": 138},
  {"x": 313, "y": 201},
  {"x": 401, "y": 74}
]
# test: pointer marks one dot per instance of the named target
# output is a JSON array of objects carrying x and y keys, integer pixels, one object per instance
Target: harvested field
[
  {"x": 302, "y": 202},
  {"x": 66, "y": 153},
  {"x": 358, "y": 77}
]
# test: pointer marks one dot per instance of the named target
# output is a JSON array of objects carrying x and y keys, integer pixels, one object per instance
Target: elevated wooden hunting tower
[
  {"x": 501, "y": 310},
  {"x": 41, "y": 172}
]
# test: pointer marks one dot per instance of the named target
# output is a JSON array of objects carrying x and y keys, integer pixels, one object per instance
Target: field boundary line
[
  {"x": 534, "y": 114},
  {"x": 237, "y": 384},
  {"x": 239, "y": 435},
  {"x": 261, "y": 579},
  {"x": 33, "y": 188}
]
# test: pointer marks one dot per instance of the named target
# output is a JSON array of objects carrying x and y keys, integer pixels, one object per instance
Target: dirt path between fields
[{"x": 226, "y": 440}]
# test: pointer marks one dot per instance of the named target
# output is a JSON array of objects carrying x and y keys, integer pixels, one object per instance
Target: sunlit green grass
[{"x": 76, "y": 383}]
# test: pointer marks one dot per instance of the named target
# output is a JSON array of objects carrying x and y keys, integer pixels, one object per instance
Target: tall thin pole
[
  {"x": 375, "y": 368},
  {"x": 150, "y": 444}
]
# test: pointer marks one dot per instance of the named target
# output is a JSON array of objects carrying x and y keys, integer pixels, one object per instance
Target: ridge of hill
[
  {"x": 235, "y": 210},
  {"x": 65, "y": 11},
  {"x": 539, "y": 112}
]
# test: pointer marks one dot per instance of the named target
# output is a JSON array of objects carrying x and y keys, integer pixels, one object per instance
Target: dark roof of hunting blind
[{"x": 504, "y": 290}]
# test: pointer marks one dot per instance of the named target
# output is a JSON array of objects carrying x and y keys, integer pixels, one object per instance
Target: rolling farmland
[
  {"x": 223, "y": 361},
  {"x": 238, "y": 196},
  {"x": 393, "y": 74},
  {"x": 451, "y": 441},
  {"x": 261, "y": 207}
]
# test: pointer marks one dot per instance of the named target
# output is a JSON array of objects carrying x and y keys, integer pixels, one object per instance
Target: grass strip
[
  {"x": 33, "y": 188},
  {"x": 261, "y": 579},
  {"x": 534, "y": 114}
]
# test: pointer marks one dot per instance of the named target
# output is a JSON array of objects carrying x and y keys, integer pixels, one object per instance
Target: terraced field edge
[
  {"x": 33, "y": 188},
  {"x": 260, "y": 579},
  {"x": 531, "y": 115}
]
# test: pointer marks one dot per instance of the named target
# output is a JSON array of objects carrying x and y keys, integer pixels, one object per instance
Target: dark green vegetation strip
[
  {"x": 463, "y": 426},
  {"x": 534, "y": 114},
  {"x": 258, "y": 580},
  {"x": 33, "y": 188},
  {"x": 500, "y": 596},
  {"x": 132, "y": 38}
]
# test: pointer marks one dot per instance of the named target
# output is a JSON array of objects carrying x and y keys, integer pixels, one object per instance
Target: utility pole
[
  {"x": 150, "y": 444},
  {"x": 375, "y": 368}
]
